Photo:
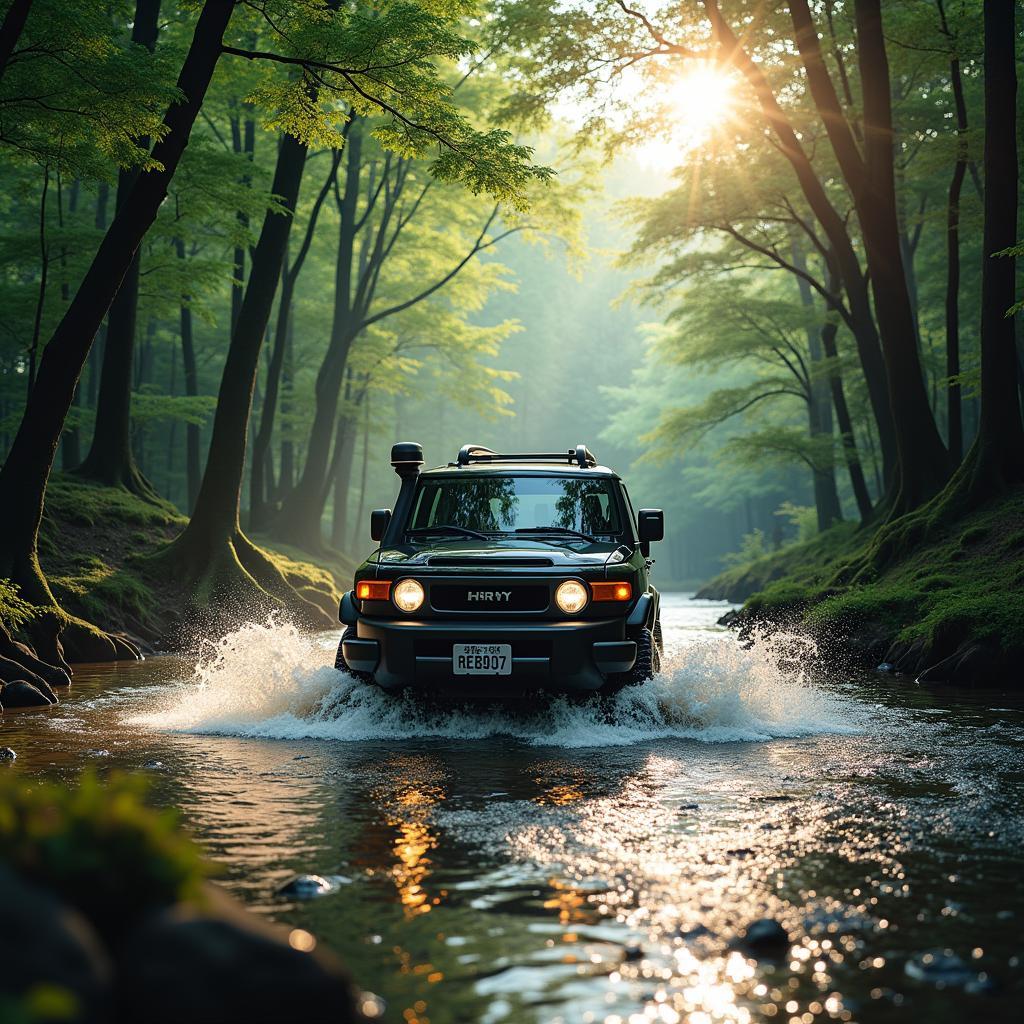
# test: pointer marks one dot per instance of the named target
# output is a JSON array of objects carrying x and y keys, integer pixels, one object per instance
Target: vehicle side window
[{"x": 629, "y": 507}]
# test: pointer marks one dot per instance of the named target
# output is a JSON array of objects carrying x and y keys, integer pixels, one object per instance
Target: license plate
[{"x": 482, "y": 659}]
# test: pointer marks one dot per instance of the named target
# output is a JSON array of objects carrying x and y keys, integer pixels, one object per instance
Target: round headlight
[
  {"x": 571, "y": 596},
  {"x": 408, "y": 595}
]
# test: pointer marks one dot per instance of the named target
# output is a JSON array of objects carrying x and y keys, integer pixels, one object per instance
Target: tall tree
[
  {"x": 954, "y": 407},
  {"x": 27, "y": 468},
  {"x": 998, "y": 457},
  {"x": 259, "y": 498},
  {"x": 870, "y": 179},
  {"x": 110, "y": 460},
  {"x": 395, "y": 48},
  {"x": 212, "y": 552}
]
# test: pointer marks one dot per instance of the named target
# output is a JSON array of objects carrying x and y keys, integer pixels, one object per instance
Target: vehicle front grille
[
  {"x": 486, "y": 596},
  {"x": 522, "y": 647}
]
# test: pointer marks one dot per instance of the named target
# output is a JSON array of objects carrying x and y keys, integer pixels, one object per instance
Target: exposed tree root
[
  {"x": 231, "y": 580},
  {"x": 127, "y": 476},
  {"x": 53, "y": 638}
]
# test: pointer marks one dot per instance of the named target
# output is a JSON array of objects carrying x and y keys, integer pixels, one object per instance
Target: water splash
[{"x": 269, "y": 681}]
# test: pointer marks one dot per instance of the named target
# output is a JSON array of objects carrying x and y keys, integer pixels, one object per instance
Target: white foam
[{"x": 267, "y": 680}]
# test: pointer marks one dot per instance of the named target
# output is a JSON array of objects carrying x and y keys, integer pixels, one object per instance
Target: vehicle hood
[{"x": 484, "y": 553}]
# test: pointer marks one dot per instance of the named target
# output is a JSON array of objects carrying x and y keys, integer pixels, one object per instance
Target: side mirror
[
  {"x": 380, "y": 519},
  {"x": 650, "y": 525}
]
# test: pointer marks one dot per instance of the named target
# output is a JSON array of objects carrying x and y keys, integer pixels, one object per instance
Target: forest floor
[
  {"x": 93, "y": 547},
  {"x": 951, "y": 609}
]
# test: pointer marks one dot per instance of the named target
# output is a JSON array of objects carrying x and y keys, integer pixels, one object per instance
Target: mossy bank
[
  {"x": 948, "y": 609},
  {"x": 95, "y": 549}
]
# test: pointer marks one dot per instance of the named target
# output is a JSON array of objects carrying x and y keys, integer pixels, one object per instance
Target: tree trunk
[
  {"x": 344, "y": 445},
  {"x": 214, "y": 558},
  {"x": 361, "y": 508},
  {"x": 923, "y": 460},
  {"x": 834, "y": 225},
  {"x": 286, "y": 470},
  {"x": 954, "y": 405},
  {"x": 191, "y": 374},
  {"x": 995, "y": 462},
  {"x": 857, "y": 482},
  {"x": 10, "y": 30},
  {"x": 819, "y": 412},
  {"x": 262, "y": 489},
  {"x": 998, "y": 460},
  {"x": 299, "y": 519},
  {"x": 70, "y": 453},
  {"x": 110, "y": 460},
  {"x": 243, "y": 140},
  {"x": 24, "y": 474}
]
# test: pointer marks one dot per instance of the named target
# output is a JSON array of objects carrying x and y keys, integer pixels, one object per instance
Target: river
[{"x": 594, "y": 862}]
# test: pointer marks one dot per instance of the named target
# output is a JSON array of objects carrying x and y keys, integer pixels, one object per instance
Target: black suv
[{"x": 505, "y": 572}]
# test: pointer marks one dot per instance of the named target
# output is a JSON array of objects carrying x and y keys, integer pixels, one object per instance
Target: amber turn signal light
[
  {"x": 611, "y": 591},
  {"x": 373, "y": 590}
]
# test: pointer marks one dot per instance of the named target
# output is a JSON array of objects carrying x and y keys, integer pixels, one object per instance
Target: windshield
[{"x": 507, "y": 504}]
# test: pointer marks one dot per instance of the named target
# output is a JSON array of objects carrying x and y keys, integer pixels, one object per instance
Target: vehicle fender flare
[
  {"x": 644, "y": 612},
  {"x": 348, "y": 613}
]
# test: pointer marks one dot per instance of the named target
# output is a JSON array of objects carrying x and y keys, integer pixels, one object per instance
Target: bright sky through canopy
[{"x": 694, "y": 104}]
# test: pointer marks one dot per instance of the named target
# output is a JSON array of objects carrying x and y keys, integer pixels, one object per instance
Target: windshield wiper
[
  {"x": 465, "y": 531},
  {"x": 556, "y": 529}
]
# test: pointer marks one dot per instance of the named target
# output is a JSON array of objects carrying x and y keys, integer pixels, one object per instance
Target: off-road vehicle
[{"x": 501, "y": 573}]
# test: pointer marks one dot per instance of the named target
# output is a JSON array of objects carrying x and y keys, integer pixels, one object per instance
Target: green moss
[
  {"x": 70, "y": 500},
  {"x": 959, "y": 581},
  {"x": 98, "y": 847},
  {"x": 95, "y": 548}
]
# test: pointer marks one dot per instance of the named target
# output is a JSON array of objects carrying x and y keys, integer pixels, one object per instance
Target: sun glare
[
  {"x": 701, "y": 101},
  {"x": 693, "y": 107}
]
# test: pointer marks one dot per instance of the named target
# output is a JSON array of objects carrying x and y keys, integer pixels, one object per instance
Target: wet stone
[
  {"x": 21, "y": 694},
  {"x": 942, "y": 968},
  {"x": 152, "y": 765},
  {"x": 6, "y": 754},
  {"x": 765, "y": 937}
]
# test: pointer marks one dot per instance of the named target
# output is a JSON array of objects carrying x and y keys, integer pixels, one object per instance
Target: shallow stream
[{"x": 589, "y": 862}]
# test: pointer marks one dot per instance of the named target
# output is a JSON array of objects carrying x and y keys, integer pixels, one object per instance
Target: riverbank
[
  {"x": 950, "y": 609},
  {"x": 94, "y": 547},
  {"x": 111, "y": 907}
]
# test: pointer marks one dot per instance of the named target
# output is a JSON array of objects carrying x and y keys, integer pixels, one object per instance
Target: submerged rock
[
  {"x": 765, "y": 937},
  {"x": 6, "y": 754},
  {"x": 152, "y": 765},
  {"x": 307, "y": 887},
  {"x": 940, "y": 967},
  {"x": 22, "y": 694}
]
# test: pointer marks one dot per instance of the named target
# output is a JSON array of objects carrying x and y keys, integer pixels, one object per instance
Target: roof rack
[{"x": 580, "y": 455}]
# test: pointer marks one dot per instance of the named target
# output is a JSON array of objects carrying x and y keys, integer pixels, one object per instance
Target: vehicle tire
[
  {"x": 658, "y": 639},
  {"x": 648, "y": 663},
  {"x": 339, "y": 658}
]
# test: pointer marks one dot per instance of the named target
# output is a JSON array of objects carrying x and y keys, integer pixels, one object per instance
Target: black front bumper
[{"x": 559, "y": 656}]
